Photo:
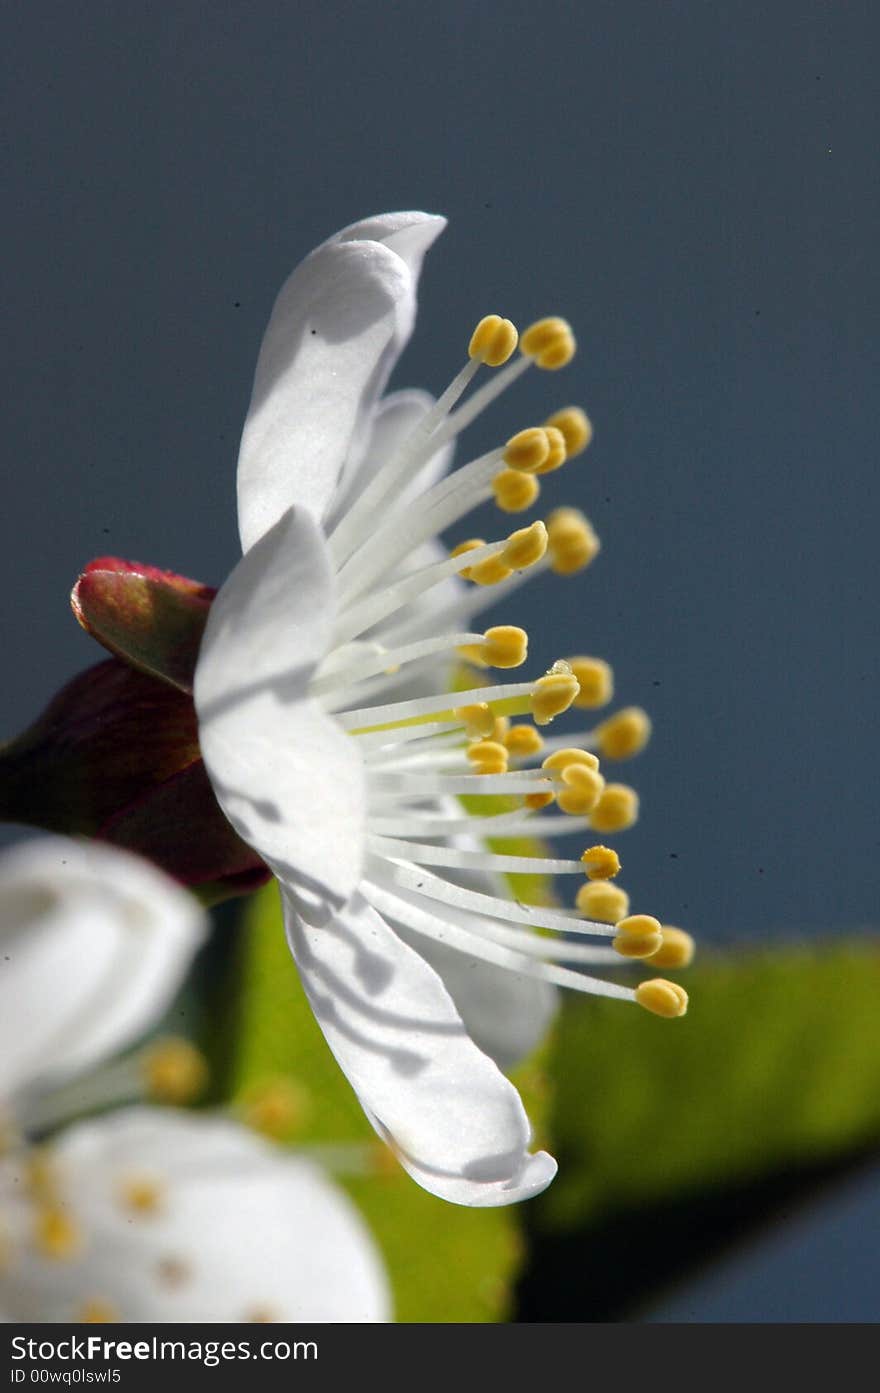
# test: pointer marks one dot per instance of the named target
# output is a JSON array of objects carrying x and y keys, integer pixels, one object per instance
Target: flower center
[{"x": 452, "y": 786}]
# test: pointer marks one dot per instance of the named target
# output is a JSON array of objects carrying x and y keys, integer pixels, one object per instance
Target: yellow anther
[
  {"x": 639, "y": 936},
  {"x": 525, "y": 546},
  {"x": 522, "y": 741},
  {"x": 624, "y": 734},
  {"x": 493, "y": 341},
  {"x": 583, "y": 788},
  {"x": 572, "y": 542},
  {"x": 174, "y": 1071},
  {"x": 601, "y": 862},
  {"x": 575, "y": 426},
  {"x": 141, "y": 1194},
  {"x": 538, "y": 800},
  {"x": 676, "y": 950},
  {"x": 552, "y": 695},
  {"x": 558, "y": 453},
  {"x": 662, "y": 998},
  {"x": 462, "y": 549},
  {"x": 97, "y": 1311},
  {"x": 57, "y": 1235},
  {"x": 478, "y": 720},
  {"x": 515, "y": 491},
  {"x": 550, "y": 342},
  {"x": 500, "y": 729},
  {"x": 601, "y": 900},
  {"x": 561, "y": 759},
  {"x": 505, "y": 646},
  {"x": 488, "y": 757},
  {"x": 596, "y": 682},
  {"x": 276, "y": 1108},
  {"x": 489, "y": 572},
  {"x": 617, "y": 809},
  {"x": 527, "y": 450}
]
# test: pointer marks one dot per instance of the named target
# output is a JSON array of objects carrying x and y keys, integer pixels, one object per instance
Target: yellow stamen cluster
[
  {"x": 515, "y": 491},
  {"x": 662, "y": 998},
  {"x": 638, "y": 936},
  {"x": 549, "y": 342},
  {"x": 624, "y": 734},
  {"x": 141, "y": 1194},
  {"x": 174, "y": 1071},
  {"x": 488, "y": 757},
  {"x": 522, "y": 741},
  {"x": 493, "y": 341},
  {"x": 575, "y": 426},
  {"x": 596, "y": 682},
  {"x": 676, "y": 950},
  {"x": 478, "y": 720},
  {"x": 617, "y": 809},
  {"x": 57, "y": 1235},
  {"x": 601, "y": 862},
  {"x": 601, "y": 900},
  {"x": 571, "y": 540},
  {"x": 553, "y": 694}
]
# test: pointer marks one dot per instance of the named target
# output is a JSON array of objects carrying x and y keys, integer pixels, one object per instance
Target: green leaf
[
  {"x": 674, "y": 1136},
  {"x": 446, "y": 1263}
]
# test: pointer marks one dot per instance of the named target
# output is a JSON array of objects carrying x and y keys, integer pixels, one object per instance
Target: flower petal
[
  {"x": 336, "y": 329},
  {"x": 287, "y": 777},
  {"x": 456, "y": 1124},
  {"x": 95, "y": 944},
  {"x": 238, "y": 1231}
]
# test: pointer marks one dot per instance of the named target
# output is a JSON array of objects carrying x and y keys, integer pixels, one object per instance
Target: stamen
[
  {"x": 141, "y": 1194},
  {"x": 616, "y": 810},
  {"x": 624, "y": 734},
  {"x": 393, "y": 711},
  {"x": 426, "y": 439},
  {"x": 557, "y": 454},
  {"x": 57, "y": 1235},
  {"x": 477, "y": 719},
  {"x": 174, "y": 1071},
  {"x": 488, "y": 757},
  {"x": 528, "y": 450},
  {"x": 575, "y": 426},
  {"x": 390, "y": 661},
  {"x": 549, "y": 342},
  {"x": 424, "y": 854},
  {"x": 523, "y": 741},
  {"x": 599, "y": 899},
  {"x": 515, "y": 491},
  {"x": 97, "y": 1311},
  {"x": 596, "y": 682},
  {"x": 493, "y": 341},
  {"x": 662, "y": 998},
  {"x": 276, "y": 1108},
  {"x": 572, "y": 542},
  {"x": 602, "y": 862},
  {"x": 676, "y": 950},
  {"x": 553, "y": 694},
  {"x": 639, "y": 936}
]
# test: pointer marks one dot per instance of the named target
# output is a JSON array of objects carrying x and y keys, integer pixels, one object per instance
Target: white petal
[
  {"x": 289, "y": 780},
  {"x": 337, "y": 327},
  {"x": 95, "y": 944},
  {"x": 457, "y": 1125},
  {"x": 240, "y": 1228}
]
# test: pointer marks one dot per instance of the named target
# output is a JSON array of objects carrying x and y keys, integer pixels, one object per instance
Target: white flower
[
  {"x": 95, "y": 943},
  {"x": 418, "y": 967},
  {"x": 154, "y": 1215}
]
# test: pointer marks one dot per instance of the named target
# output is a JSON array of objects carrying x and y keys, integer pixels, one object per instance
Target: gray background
[{"x": 694, "y": 186}]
